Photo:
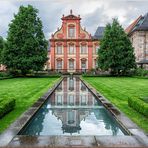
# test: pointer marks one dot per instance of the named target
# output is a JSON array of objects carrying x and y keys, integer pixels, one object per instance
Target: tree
[
  {"x": 116, "y": 52},
  {"x": 1, "y": 48},
  {"x": 26, "y": 47}
]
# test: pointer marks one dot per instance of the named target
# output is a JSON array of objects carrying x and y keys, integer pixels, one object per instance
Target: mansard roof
[
  {"x": 99, "y": 33},
  {"x": 140, "y": 24}
]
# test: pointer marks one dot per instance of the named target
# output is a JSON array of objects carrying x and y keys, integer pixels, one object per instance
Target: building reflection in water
[{"x": 72, "y": 109}]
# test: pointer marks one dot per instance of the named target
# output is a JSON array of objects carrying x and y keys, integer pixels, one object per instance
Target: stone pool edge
[
  {"x": 18, "y": 124},
  {"x": 127, "y": 124}
]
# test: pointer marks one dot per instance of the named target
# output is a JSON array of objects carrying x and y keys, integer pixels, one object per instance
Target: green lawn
[
  {"x": 117, "y": 90},
  {"x": 26, "y": 91}
]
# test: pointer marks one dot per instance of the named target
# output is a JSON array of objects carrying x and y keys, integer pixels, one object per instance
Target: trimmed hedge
[
  {"x": 138, "y": 105},
  {"x": 6, "y": 106}
]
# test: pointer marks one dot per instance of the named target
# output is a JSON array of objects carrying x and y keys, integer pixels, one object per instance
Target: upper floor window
[
  {"x": 59, "y": 49},
  {"x": 71, "y": 32},
  {"x": 83, "y": 49},
  {"x": 71, "y": 49}
]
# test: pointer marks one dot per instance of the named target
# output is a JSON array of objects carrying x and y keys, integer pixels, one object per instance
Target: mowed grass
[
  {"x": 25, "y": 91},
  {"x": 118, "y": 90}
]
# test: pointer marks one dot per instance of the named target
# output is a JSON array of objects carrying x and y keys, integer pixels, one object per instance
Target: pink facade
[{"x": 72, "y": 48}]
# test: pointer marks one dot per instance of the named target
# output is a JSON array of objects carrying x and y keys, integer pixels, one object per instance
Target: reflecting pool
[{"x": 72, "y": 110}]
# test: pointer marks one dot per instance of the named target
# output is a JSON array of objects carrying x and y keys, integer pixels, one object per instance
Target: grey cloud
[{"x": 94, "y": 13}]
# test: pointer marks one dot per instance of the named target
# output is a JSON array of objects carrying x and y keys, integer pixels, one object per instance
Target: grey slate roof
[
  {"x": 142, "y": 24},
  {"x": 99, "y": 33}
]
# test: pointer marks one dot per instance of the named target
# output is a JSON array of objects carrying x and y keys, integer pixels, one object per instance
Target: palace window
[
  {"x": 71, "y": 84},
  {"x": 59, "y": 64},
  {"x": 83, "y": 100},
  {"x": 71, "y": 49},
  {"x": 59, "y": 49},
  {"x": 83, "y": 64},
  {"x": 83, "y": 49},
  {"x": 59, "y": 99},
  {"x": 71, "y": 117},
  {"x": 71, "y": 32},
  {"x": 71, "y": 64},
  {"x": 71, "y": 99}
]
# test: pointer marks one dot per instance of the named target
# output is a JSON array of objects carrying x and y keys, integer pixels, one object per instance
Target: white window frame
[{"x": 59, "y": 49}]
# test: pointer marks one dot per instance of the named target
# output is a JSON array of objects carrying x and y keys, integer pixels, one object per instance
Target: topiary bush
[
  {"x": 6, "y": 105},
  {"x": 138, "y": 105}
]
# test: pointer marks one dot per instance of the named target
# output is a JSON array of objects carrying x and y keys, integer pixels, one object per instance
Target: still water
[{"x": 72, "y": 110}]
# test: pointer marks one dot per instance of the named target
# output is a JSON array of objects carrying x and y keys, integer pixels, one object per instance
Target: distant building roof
[
  {"x": 99, "y": 33},
  {"x": 143, "y": 62},
  {"x": 140, "y": 24},
  {"x": 132, "y": 25}
]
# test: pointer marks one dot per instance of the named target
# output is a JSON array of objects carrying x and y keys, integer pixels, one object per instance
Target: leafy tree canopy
[
  {"x": 116, "y": 52},
  {"x": 26, "y": 47},
  {"x": 1, "y": 48}
]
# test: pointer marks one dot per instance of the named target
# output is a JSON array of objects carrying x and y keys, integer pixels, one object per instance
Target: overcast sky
[{"x": 94, "y": 13}]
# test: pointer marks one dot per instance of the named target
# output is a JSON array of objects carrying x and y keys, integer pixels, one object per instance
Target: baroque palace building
[{"x": 72, "y": 48}]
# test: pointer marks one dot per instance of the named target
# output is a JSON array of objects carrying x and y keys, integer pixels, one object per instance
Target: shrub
[
  {"x": 6, "y": 105},
  {"x": 141, "y": 72},
  {"x": 3, "y": 74},
  {"x": 138, "y": 105}
]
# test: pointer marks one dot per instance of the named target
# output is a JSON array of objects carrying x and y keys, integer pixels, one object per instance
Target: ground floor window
[
  {"x": 71, "y": 64},
  {"x": 59, "y": 64},
  {"x": 83, "y": 64}
]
